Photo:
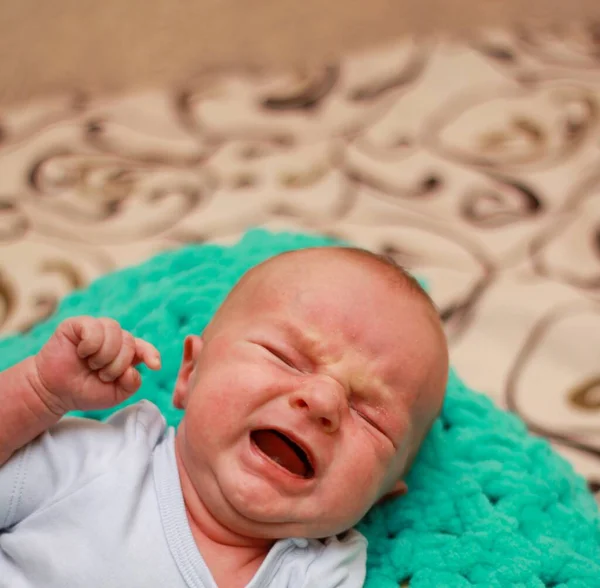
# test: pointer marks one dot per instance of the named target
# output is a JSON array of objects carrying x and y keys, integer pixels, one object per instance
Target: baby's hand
[{"x": 89, "y": 364}]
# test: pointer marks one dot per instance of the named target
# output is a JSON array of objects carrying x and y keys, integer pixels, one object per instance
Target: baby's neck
[{"x": 232, "y": 559}]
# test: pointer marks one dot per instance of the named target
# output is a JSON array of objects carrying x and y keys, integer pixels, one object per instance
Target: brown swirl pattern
[{"x": 475, "y": 165}]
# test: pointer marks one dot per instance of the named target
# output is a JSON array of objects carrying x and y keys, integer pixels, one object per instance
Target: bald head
[{"x": 382, "y": 265}]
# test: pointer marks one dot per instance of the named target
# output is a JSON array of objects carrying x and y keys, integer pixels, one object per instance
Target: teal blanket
[{"x": 489, "y": 505}]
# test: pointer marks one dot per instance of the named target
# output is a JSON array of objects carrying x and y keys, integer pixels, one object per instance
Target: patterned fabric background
[{"x": 476, "y": 165}]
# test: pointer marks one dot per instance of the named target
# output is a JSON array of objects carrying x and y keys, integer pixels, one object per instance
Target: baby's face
[{"x": 302, "y": 398}]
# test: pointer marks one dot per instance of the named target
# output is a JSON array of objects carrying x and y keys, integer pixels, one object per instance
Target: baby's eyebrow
[{"x": 373, "y": 386}]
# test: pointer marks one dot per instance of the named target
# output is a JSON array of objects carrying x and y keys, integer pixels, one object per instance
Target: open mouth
[{"x": 283, "y": 451}]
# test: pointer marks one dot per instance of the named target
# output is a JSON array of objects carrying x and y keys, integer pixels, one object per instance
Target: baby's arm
[{"x": 87, "y": 364}]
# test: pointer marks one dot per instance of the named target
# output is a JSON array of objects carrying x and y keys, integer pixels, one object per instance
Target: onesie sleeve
[
  {"x": 70, "y": 455},
  {"x": 341, "y": 564}
]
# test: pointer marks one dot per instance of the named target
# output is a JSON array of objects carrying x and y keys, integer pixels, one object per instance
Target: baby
[{"x": 305, "y": 400}]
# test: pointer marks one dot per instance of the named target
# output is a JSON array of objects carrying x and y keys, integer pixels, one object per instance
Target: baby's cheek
[
  {"x": 217, "y": 350},
  {"x": 365, "y": 476}
]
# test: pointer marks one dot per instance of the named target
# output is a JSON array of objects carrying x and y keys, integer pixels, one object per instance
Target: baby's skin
[{"x": 305, "y": 399}]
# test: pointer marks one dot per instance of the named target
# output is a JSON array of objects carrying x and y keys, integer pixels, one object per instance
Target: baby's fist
[{"x": 89, "y": 364}]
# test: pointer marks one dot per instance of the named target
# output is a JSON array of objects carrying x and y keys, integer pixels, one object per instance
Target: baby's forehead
[
  {"x": 333, "y": 286},
  {"x": 330, "y": 281}
]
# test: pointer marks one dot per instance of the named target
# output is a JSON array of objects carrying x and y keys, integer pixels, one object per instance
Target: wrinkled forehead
[{"x": 349, "y": 302}]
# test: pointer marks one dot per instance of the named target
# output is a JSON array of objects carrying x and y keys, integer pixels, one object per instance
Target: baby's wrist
[
  {"x": 24, "y": 411},
  {"x": 46, "y": 401}
]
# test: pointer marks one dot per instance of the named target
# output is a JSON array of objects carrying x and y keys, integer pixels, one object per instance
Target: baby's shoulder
[
  {"x": 141, "y": 422},
  {"x": 76, "y": 452},
  {"x": 139, "y": 425},
  {"x": 87, "y": 447}
]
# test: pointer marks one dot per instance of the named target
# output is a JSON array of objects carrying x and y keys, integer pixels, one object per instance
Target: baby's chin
[{"x": 244, "y": 513}]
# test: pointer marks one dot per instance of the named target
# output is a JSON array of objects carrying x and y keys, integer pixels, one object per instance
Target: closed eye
[
  {"x": 363, "y": 416},
  {"x": 279, "y": 355},
  {"x": 368, "y": 420}
]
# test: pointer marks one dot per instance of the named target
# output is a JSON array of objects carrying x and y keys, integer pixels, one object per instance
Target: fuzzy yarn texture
[{"x": 489, "y": 505}]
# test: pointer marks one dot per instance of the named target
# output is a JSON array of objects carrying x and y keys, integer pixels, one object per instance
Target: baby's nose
[{"x": 322, "y": 401}]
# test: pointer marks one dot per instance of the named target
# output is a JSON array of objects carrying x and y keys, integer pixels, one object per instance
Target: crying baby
[{"x": 305, "y": 401}]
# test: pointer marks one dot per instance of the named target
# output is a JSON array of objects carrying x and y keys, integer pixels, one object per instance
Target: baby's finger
[
  {"x": 90, "y": 333},
  {"x": 147, "y": 353},
  {"x": 117, "y": 367},
  {"x": 113, "y": 336},
  {"x": 129, "y": 382}
]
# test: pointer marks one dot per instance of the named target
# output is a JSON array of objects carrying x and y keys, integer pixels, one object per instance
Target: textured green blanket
[{"x": 489, "y": 505}]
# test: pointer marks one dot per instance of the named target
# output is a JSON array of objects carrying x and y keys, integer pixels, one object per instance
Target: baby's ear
[
  {"x": 192, "y": 347},
  {"x": 400, "y": 489}
]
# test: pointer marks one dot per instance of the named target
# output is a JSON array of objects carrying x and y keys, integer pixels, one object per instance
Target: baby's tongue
[{"x": 279, "y": 450}]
